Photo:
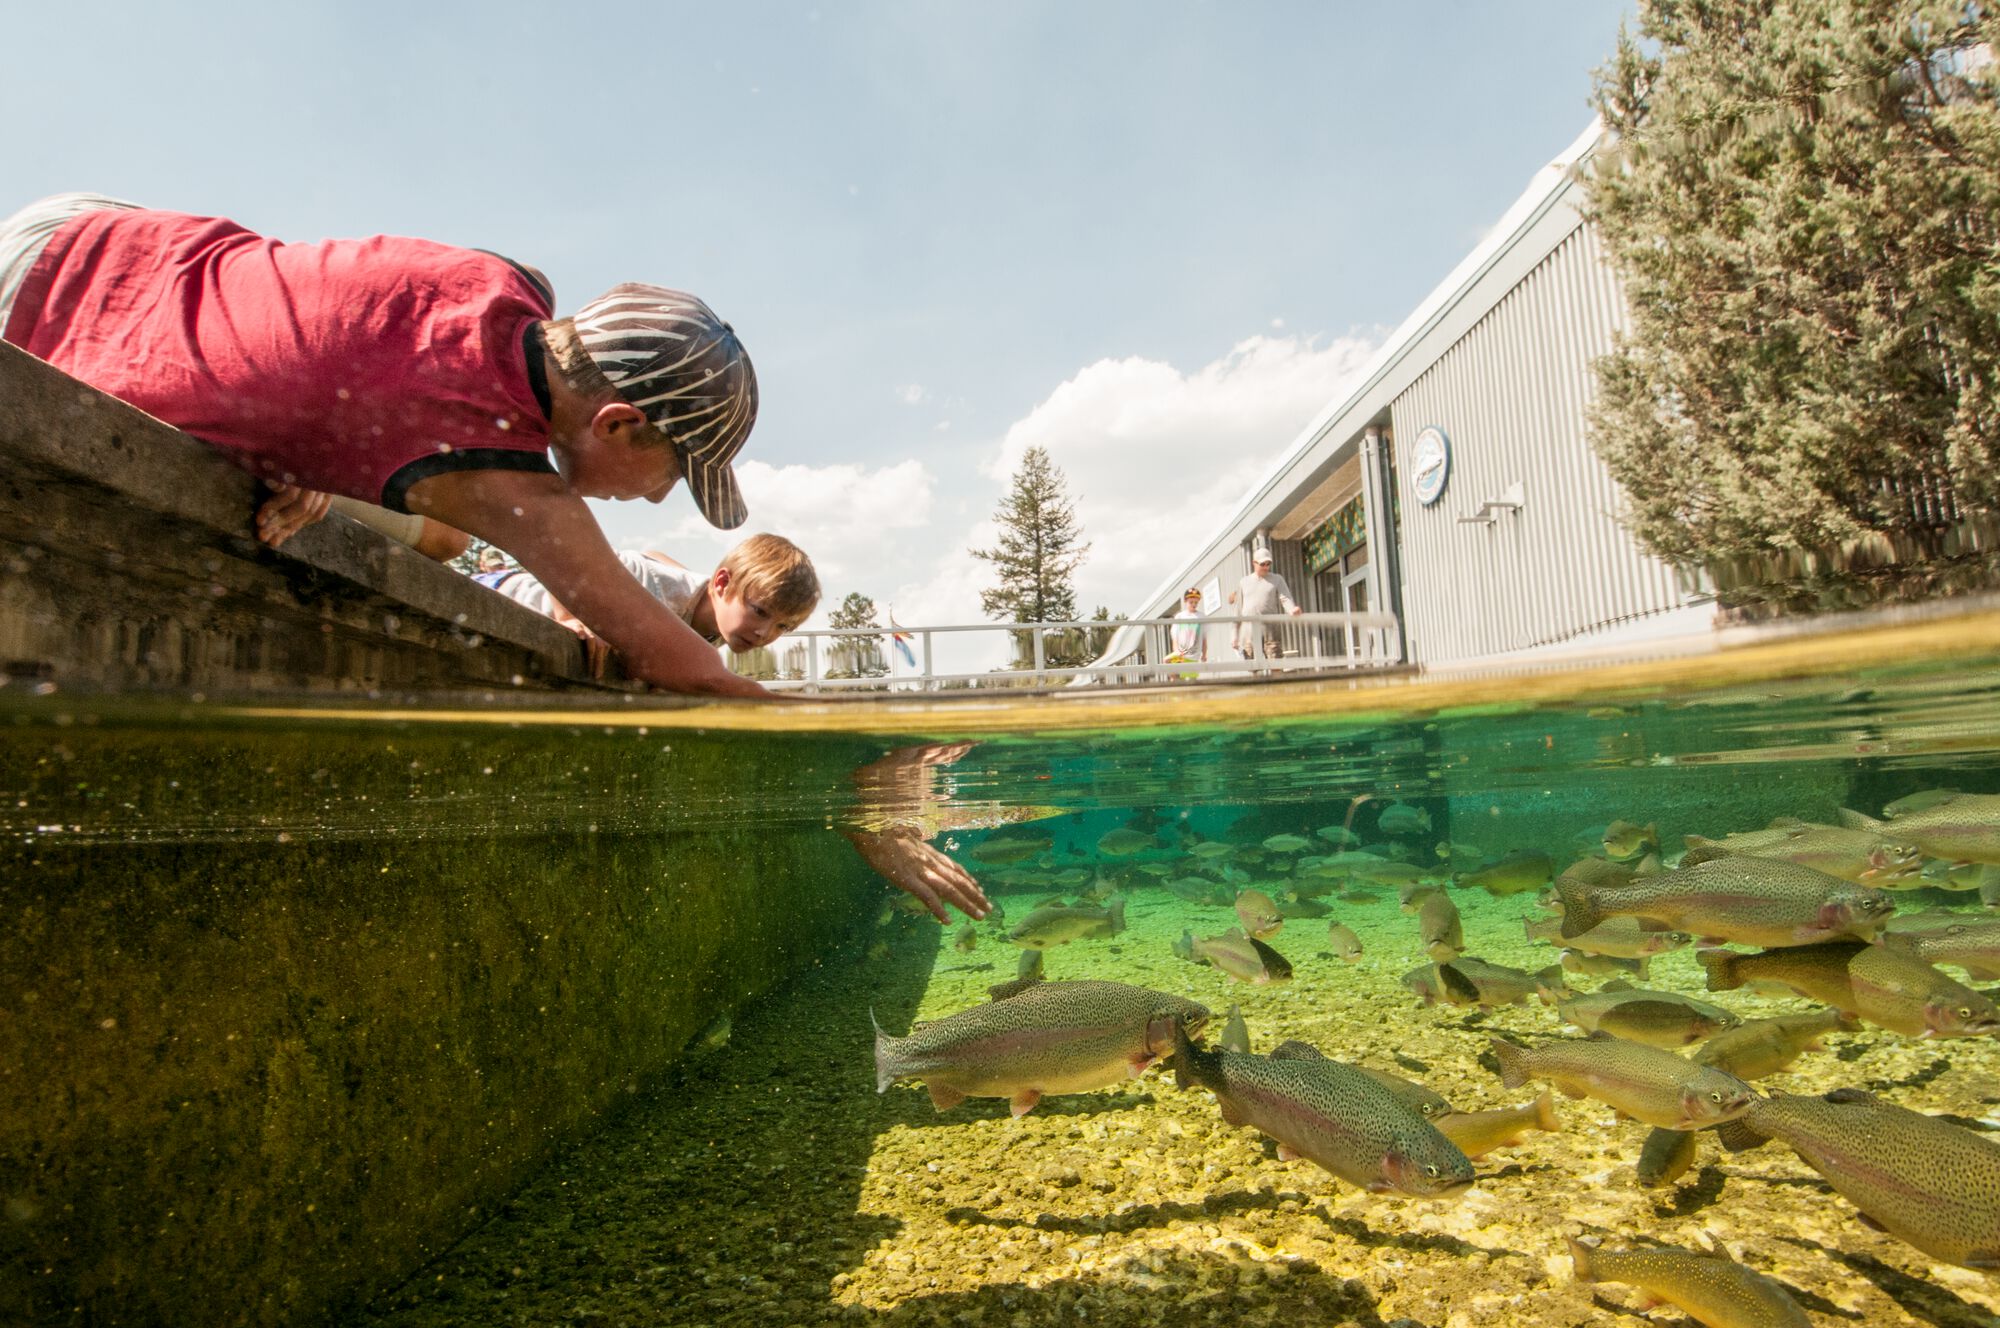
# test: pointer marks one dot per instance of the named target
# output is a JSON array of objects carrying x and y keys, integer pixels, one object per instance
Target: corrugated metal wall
[{"x": 1510, "y": 396}]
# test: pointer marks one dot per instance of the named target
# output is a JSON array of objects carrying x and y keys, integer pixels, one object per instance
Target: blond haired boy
[{"x": 763, "y": 588}]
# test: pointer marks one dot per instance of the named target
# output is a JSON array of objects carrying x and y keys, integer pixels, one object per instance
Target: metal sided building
[{"x": 1454, "y": 486}]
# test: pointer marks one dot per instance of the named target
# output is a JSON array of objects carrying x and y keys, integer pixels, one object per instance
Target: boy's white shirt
[{"x": 676, "y": 587}]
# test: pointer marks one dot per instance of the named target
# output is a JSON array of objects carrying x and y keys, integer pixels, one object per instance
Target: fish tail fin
[
  {"x": 1192, "y": 1065},
  {"x": 1116, "y": 913},
  {"x": 1580, "y": 909},
  {"x": 1739, "y": 1136},
  {"x": 1513, "y": 1062},
  {"x": 1545, "y": 1113},
  {"x": 886, "y": 1069},
  {"x": 1580, "y": 1260},
  {"x": 1720, "y": 965}
]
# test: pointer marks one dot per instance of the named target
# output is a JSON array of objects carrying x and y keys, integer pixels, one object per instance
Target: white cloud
[
  {"x": 842, "y": 516},
  {"x": 1156, "y": 458},
  {"x": 911, "y": 394}
]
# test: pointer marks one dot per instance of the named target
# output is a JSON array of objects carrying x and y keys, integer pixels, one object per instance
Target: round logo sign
[{"x": 1430, "y": 464}]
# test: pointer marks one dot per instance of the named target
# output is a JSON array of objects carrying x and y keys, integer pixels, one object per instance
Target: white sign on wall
[{"x": 1430, "y": 464}]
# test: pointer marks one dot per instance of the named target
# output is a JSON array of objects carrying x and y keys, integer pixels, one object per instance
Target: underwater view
[{"x": 1404, "y": 1006}]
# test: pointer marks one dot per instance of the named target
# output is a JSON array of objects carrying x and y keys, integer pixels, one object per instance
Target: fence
[{"x": 1137, "y": 655}]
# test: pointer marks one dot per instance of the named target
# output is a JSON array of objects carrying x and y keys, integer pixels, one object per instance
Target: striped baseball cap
[{"x": 667, "y": 353}]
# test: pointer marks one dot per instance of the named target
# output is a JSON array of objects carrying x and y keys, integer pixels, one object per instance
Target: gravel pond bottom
[{"x": 769, "y": 1184}]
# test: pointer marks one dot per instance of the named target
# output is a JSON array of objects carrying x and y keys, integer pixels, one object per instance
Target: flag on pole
[{"x": 901, "y": 640}]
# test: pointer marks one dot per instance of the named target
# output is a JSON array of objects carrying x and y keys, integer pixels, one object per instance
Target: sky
[{"x": 1154, "y": 238}]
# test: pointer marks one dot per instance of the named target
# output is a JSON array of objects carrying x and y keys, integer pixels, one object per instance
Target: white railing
[{"x": 1308, "y": 642}]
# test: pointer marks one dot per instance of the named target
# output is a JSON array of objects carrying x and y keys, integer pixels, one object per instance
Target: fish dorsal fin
[
  {"x": 1617, "y": 984},
  {"x": 1600, "y": 1036},
  {"x": 1698, "y": 841},
  {"x": 1788, "y": 823},
  {"x": 1854, "y": 820},
  {"x": 1850, "y": 1096},
  {"x": 1295, "y": 1050},
  {"x": 1694, "y": 857},
  {"x": 1233, "y": 934},
  {"x": 1009, "y": 990}
]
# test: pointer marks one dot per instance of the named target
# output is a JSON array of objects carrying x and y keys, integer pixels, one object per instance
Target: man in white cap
[
  {"x": 420, "y": 377},
  {"x": 1263, "y": 591}
]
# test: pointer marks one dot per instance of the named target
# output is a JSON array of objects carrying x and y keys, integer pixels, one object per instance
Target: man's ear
[
  {"x": 718, "y": 583},
  {"x": 616, "y": 421}
]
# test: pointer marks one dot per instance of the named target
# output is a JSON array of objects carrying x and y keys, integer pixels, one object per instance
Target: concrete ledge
[{"x": 130, "y": 563}]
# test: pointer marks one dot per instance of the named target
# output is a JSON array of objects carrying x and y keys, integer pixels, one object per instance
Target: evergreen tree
[
  {"x": 1040, "y": 547},
  {"x": 1804, "y": 204},
  {"x": 1099, "y": 638},
  {"x": 855, "y": 656}
]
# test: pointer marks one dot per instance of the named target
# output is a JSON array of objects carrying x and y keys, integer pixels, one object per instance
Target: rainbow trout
[
  {"x": 1861, "y": 856},
  {"x": 1514, "y": 874},
  {"x": 1961, "y": 829},
  {"x": 1880, "y": 984},
  {"x": 1441, "y": 984},
  {"x": 1587, "y": 1011},
  {"x": 1493, "y": 985},
  {"x": 1331, "y": 1114},
  {"x": 1059, "y": 924},
  {"x": 1716, "y": 1291},
  {"x": 1922, "y": 1180},
  {"x": 1346, "y": 945},
  {"x": 1599, "y": 966},
  {"x": 1623, "y": 938},
  {"x": 1623, "y": 839},
  {"x": 1261, "y": 917},
  {"x": 1973, "y": 945},
  {"x": 1753, "y": 901},
  {"x": 1439, "y": 928},
  {"x": 1765, "y": 1046},
  {"x": 1478, "y": 1133},
  {"x": 1244, "y": 958},
  {"x": 1645, "y": 1083},
  {"x": 1665, "y": 1024},
  {"x": 1052, "y": 1037}
]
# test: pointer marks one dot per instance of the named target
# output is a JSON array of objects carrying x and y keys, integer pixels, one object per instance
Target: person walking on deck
[{"x": 1263, "y": 591}]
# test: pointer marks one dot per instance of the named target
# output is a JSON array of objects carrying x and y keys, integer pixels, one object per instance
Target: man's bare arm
[{"x": 551, "y": 532}]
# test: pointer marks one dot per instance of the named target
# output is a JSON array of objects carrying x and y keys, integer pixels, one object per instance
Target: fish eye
[
  {"x": 1715, "y": 1097},
  {"x": 1965, "y": 1012},
  {"x": 1431, "y": 1169}
]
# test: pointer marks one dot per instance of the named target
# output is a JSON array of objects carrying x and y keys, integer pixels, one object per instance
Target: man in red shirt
[{"x": 422, "y": 377}]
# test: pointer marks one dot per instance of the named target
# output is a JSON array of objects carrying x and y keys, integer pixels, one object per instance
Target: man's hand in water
[{"x": 900, "y": 854}]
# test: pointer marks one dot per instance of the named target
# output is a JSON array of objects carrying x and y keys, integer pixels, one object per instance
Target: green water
[{"x": 761, "y": 1179}]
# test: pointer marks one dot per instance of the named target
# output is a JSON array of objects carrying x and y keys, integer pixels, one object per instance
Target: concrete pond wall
[
  {"x": 286, "y": 1010},
  {"x": 256, "y": 1067}
]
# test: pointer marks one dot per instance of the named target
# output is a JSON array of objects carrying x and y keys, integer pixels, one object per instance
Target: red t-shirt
[{"x": 352, "y": 366}]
